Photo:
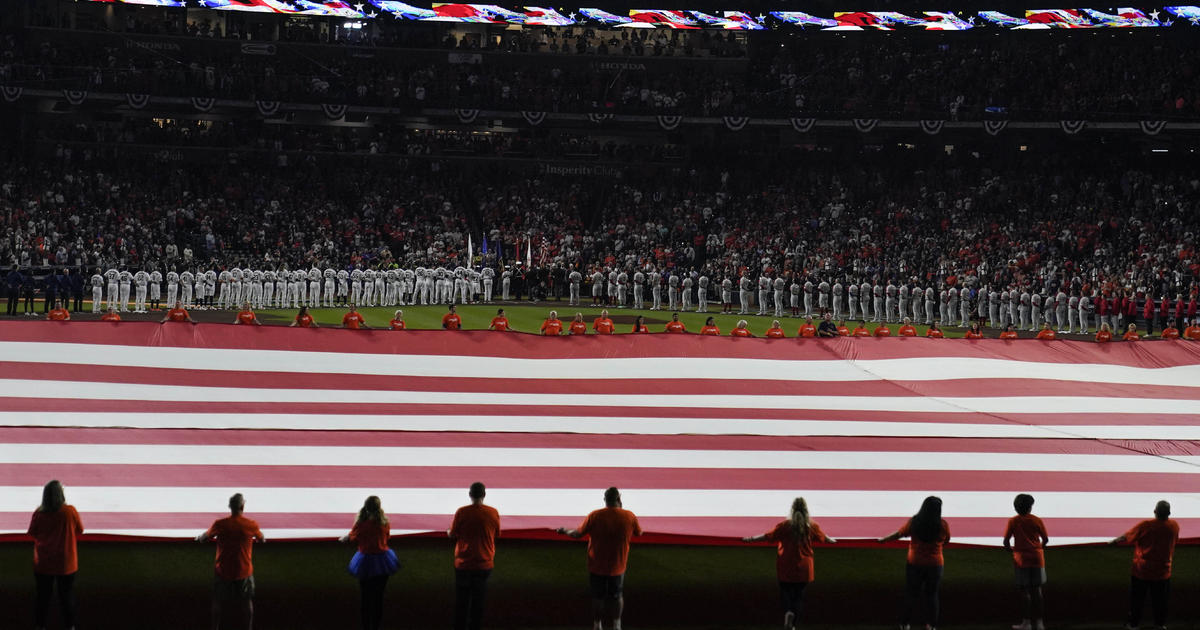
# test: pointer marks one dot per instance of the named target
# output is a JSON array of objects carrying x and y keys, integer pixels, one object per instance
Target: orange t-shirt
[
  {"x": 54, "y": 535},
  {"x": 926, "y": 554},
  {"x": 883, "y": 331},
  {"x": 1027, "y": 532},
  {"x": 676, "y": 327},
  {"x": 1153, "y": 546},
  {"x": 775, "y": 333},
  {"x": 1170, "y": 333},
  {"x": 1047, "y": 334},
  {"x": 971, "y": 334},
  {"x": 371, "y": 537},
  {"x": 1130, "y": 336},
  {"x": 235, "y": 536},
  {"x": 907, "y": 331},
  {"x": 609, "y": 530},
  {"x": 451, "y": 321},
  {"x": 859, "y": 331},
  {"x": 475, "y": 528},
  {"x": 58, "y": 315},
  {"x": 808, "y": 330},
  {"x": 577, "y": 328},
  {"x": 1192, "y": 332},
  {"x": 304, "y": 321},
  {"x": 710, "y": 330},
  {"x": 110, "y": 317},
  {"x": 639, "y": 329},
  {"x": 740, "y": 332},
  {"x": 935, "y": 333},
  {"x": 177, "y": 315},
  {"x": 551, "y": 327},
  {"x": 352, "y": 320},
  {"x": 1008, "y": 334},
  {"x": 245, "y": 317},
  {"x": 843, "y": 331},
  {"x": 397, "y": 324},
  {"x": 1103, "y": 336},
  {"x": 794, "y": 558},
  {"x": 499, "y": 323},
  {"x": 603, "y": 326}
]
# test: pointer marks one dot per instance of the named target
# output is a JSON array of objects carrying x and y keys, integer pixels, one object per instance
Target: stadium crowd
[{"x": 1094, "y": 78}]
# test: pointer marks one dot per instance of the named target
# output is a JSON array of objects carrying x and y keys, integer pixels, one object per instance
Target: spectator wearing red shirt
[
  {"x": 1148, "y": 315},
  {"x": 907, "y": 330},
  {"x": 603, "y": 325},
  {"x": 1170, "y": 332},
  {"x": 1153, "y": 550},
  {"x": 740, "y": 330},
  {"x": 882, "y": 330},
  {"x": 303, "y": 319},
  {"x": 974, "y": 332},
  {"x": 1025, "y": 536},
  {"x": 1192, "y": 332},
  {"x": 397, "y": 321},
  {"x": 499, "y": 322},
  {"x": 710, "y": 327},
  {"x": 1010, "y": 333},
  {"x": 246, "y": 316},
  {"x": 58, "y": 313},
  {"x": 177, "y": 314},
  {"x": 639, "y": 325},
  {"x": 923, "y": 576},
  {"x": 807, "y": 329},
  {"x": 861, "y": 330},
  {"x": 552, "y": 327},
  {"x": 451, "y": 320},
  {"x": 234, "y": 571},
  {"x": 793, "y": 540},
  {"x": 1104, "y": 335},
  {"x": 1131, "y": 333},
  {"x": 609, "y": 531},
  {"x": 374, "y": 562},
  {"x": 111, "y": 315},
  {"x": 675, "y": 326},
  {"x": 933, "y": 332},
  {"x": 55, "y": 527},
  {"x": 1046, "y": 333},
  {"x": 474, "y": 530},
  {"x": 775, "y": 332},
  {"x": 577, "y": 327},
  {"x": 842, "y": 330},
  {"x": 353, "y": 319}
]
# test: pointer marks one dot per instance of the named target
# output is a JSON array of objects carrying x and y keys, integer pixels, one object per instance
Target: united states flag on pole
[{"x": 153, "y": 427}]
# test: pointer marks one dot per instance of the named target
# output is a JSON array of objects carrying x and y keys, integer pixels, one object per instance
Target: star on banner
[
  {"x": 1154, "y": 15},
  {"x": 1195, "y": 21},
  {"x": 372, "y": 14},
  {"x": 359, "y": 7}
]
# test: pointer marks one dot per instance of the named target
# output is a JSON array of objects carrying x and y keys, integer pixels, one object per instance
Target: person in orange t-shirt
[
  {"x": 923, "y": 576},
  {"x": 1131, "y": 333},
  {"x": 577, "y": 327},
  {"x": 639, "y": 325},
  {"x": 111, "y": 315},
  {"x": 609, "y": 531},
  {"x": 740, "y": 330},
  {"x": 933, "y": 332},
  {"x": 246, "y": 316},
  {"x": 842, "y": 330},
  {"x": 374, "y": 562},
  {"x": 354, "y": 320},
  {"x": 451, "y": 320},
  {"x": 775, "y": 332},
  {"x": 1192, "y": 332},
  {"x": 552, "y": 327},
  {"x": 603, "y": 325},
  {"x": 177, "y": 314},
  {"x": 1047, "y": 333},
  {"x": 1009, "y": 333},
  {"x": 861, "y": 330},
  {"x": 807, "y": 329},
  {"x": 1104, "y": 335},
  {"x": 1170, "y": 332},
  {"x": 882, "y": 330},
  {"x": 675, "y": 326},
  {"x": 234, "y": 572},
  {"x": 397, "y": 321},
  {"x": 303, "y": 319},
  {"x": 906, "y": 329},
  {"x": 499, "y": 322},
  {"x": 1025, "y": 536},
  {"x": 974, "y": 332},
  {"x": 58, "y": 313},
  {"x": 1153, "y": 549},
  {"x": 793, "y": 540},
  {"x": 710, "y": 327},
  {"x": 55, "y": 528},
  {"x": 474, "y": 530}
]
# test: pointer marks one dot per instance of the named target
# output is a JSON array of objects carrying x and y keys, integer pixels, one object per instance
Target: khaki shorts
[{"x": 228, "y": 590}]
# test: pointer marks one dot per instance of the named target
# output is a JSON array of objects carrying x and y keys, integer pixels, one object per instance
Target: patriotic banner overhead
[{"x": 152, "y": 427}]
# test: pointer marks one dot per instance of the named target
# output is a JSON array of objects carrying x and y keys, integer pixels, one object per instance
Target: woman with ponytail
[
  {"x": 793, "y": 540},
  {"x": 928, "y": 532},
  {"x": 374, "y": 562}
]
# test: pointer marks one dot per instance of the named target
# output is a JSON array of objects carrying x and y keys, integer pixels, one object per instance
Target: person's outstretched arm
[{"x": 890, "y": 537}]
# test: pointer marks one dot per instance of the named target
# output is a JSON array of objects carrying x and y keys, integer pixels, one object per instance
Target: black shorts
[
  {"x": 229, "y": 590},
  {"x": 606, "y": 586}
]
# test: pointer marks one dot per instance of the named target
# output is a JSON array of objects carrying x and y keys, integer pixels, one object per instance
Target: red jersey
[
  {"x": 675, "y": 327},
  {"x": 609, "y": 531},
  {"x": 710, "y": 330},
  {"x": 1192, "y": 332},
  {"x": 639, "y": 328},
  {"x": 921, "y": 553},
  {"x": 58, "y": 315},
  {"x": 397, "y": 324},
  {"x": 54, "y": 537},
  {"x": 1008, "y": 334},
  {"x": 304, "y": 321},
  {"x": 1153, "y": 547},
  {"x": 859, "y": 331},
  {"x": 475, "y": 529},
  {"x": 110, "y": 317},
  {"x": 1047, "y": 334},
  {"x": 353, "y": 320},
  {"x": 577, "y": 328},
  {"x": 1027, "y": 532},
  {"x": 451, "y": 321},
  {"x": 935, "y": 333},
  {"x": 1131, "y": 335},
  {"x": 740, "y": 332},
  {"x": 1170, "y": 332},
  {"x": 843, "y": 331},
  {"x": 883, "y": 331},
  {"x": 794, "y": 555},
  {"x": 1103, "y": 336},
  {"x": 775, "y": 333},
  {"x": 499, "y": 323},
  {"x": 235, "y": 536},
  {"x": 551, "y": 327},
  {"x": 245, "y": 317},
  {"x": 807, "y": 330},
  {"x": 371, "y": 536},
  {"x": 973, "y": 334},
  {"x": 907, "y": 331},
  {"x": 603, "y": 326},
  {"x": 177, "y": 315}
]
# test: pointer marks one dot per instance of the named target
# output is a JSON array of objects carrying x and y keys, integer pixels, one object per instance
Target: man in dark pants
[
  {"x": 75, "y": 280},
  {"x": 474, "y": 530},
  {"x": 12, "y": 285},
  {"x": 28, "y": 287},
  {"x": 1153, "y": 550},
  {"x": 50, "y": 284}
]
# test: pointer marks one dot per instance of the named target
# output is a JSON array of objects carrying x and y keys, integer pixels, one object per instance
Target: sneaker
[
  {"x": 1024, "y": 625},
  {"x": 789, "y": 620}
]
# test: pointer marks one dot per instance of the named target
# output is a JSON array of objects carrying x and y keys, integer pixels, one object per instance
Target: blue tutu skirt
[{"x": 369, "y": 565}]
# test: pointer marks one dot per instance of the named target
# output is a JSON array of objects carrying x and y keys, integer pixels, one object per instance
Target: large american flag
[{"x": 152, "y": 427}]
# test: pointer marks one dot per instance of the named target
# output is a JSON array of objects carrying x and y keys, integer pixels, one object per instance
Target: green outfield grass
[{"x": 154, "y": 586}]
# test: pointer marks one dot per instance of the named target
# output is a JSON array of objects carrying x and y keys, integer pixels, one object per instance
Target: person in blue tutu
[{"x": 374, "y": 562}]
